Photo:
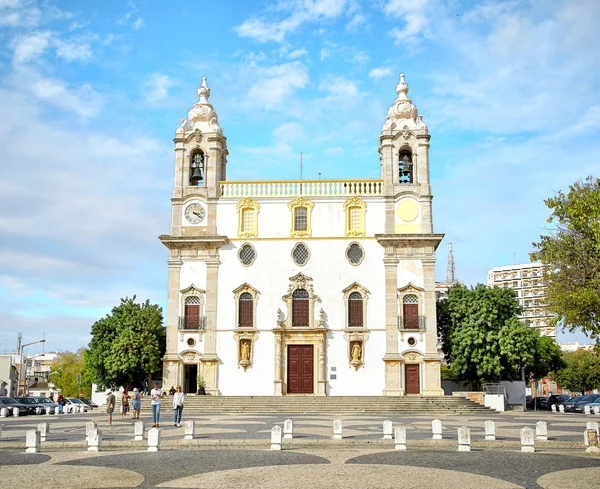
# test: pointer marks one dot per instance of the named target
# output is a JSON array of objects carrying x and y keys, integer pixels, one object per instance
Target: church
[{"x": 302, "y": 287}]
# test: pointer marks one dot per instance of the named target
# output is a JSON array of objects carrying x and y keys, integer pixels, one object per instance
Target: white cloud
[
  {"x": 339, "y": 86},
  {"x": 297, "y": 53},
  {"x": 377, "y": 73},
  {"x": 289, "y": 131},
  {"x": 274, "y": 84},
  {"x": 30, "y": 47},
  {"x": 414, "y": 14},
  {"x": 83, "y": 101},
  {"x": 157, "y": 87},
  {"x": 73, "y": 51},
  {"x": 138, "y": 24}
]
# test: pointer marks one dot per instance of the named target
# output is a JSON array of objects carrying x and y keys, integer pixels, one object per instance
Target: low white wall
[{"x": 494, "y": 401}]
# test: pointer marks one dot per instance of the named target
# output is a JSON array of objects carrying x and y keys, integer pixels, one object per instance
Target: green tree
[
  {"x": 548, "y": 359},
  {"x": 572, "y": 250},
  {"x": 64, "y": 372},
  {"x": 581, "y": 371},
  {"x": 483, "y": 339},
  {"x": 127, "y": 345}
]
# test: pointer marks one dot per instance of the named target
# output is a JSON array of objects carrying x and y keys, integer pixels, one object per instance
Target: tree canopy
[
  {"x": 64, "y": 372},
  {"x": 483, "y": 339},
  {"x": 572, "y": 250},
  {"x": 581, "y": 371},
  {"x": 127, "y": 345}
]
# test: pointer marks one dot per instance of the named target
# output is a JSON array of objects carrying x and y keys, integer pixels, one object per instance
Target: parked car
[
  {"x": 32, "y": 405},
  {"x": 10, "y": 403},
  {"x": 557, "y": 399},
  {"x": 584, "y": 401},
  {"x": 594, "y": 405},
  {"x": 90, "y": 403},
  {"x": 536, "y": 403},
  {"x": 73, "y": 401},
  {"x": 49, "y": 404},
  {"x": 570, "y": 404}
]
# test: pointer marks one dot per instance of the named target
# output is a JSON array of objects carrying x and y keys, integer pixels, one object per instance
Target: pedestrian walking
[
  {"x": 156, "y": 395},
  {"x": 137, "y": 403},
  {"x": 110, "y": 405},
  {"x": 124, "y": 404},
  {"x": 60, "y": 401},
  {"x": 177, "y": 406}
]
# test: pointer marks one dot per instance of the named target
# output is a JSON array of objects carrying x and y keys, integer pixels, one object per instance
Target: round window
[
  {"x": 247, "y": 254},
  {"x": 355, "y": 254},
  {"x": 300, "y": 254},
  {"x": 412, "y": 341},
  {"x": 191, "y": 341}
]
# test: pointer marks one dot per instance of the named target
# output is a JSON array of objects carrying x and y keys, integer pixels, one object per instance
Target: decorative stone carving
[
  {"x": 412, "y": 357},
  {"x": 301, "y": 281},
  {"x": 202, "y": 116},
  {"x": 356, "y": 348},
  {"x": 403, "y": 110},
  {"x": 280, "y": 318},
  {"x": 182, "y": 127}
]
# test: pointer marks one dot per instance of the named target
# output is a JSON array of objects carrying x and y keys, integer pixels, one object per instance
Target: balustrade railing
[{"x": 298, "y": 188}]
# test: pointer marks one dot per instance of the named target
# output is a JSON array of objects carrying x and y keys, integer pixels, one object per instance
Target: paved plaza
[{"x": 233, "y": 451}]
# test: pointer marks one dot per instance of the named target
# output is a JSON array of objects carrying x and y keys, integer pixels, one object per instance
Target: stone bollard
[
  {"x": 553, "y": 408},
  {"x": 587, "y": 410},
  {"x": 490, "y": 430},
  {"x": 276, "y": 438},
  {"x": 32, "y": 441},
  {"x": 597, "y": 409},
  {"x": 590, "y": 425},
  {"x": 527, "y": 440},
  {"x": 16, "y": 412},
  {"x": 67, "y": 409},
  {"x": 94, "y": 440},
  {"x": 288, "y": 429},
  {"x": 89, "y": 426},
  {"x": 591, "y": 441},
  {"x": 387, "y": 430},
  {"x": 3, "y": 412},
  {"x": 38, "y": 410},
  {"x": 49, "y": 411},
  {"x": 153, "y": 439},
  {"x": 138, "y": 430},
  {"x": 464, "y": 439},
  {"x": 561, "y": 408},
  {"x": 400, "y": 437},
  {"x": 44, "y": 429},
  {"x": 189, "y": 429},
  {"x": 436, "y": 429},
  {"x": 337, "y": 429},
  {"x": 541, "y": 431}
]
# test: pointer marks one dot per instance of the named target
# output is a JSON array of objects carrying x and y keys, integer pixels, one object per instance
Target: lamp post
[{"x": 20, "y": 347}]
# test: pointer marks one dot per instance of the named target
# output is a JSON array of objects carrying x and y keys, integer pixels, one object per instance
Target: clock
[{"x": 195, "y": 213}]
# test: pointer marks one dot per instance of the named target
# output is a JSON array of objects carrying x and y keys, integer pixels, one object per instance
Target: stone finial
[
  {"x": 387, "y": 430},
  {"x": 541, "y": 431},
  {"x": 402, "y": 89},
  {"x": 490, "y": 430},
  {"x": 527, "y": 440},
  {"x": 189, "y": 429},
  {"x": 464, "y": 439},
  {"x": 202, "y": 116},
  {"x": 276, "y": 438},
  {"x": 337, "y": 429},
  {"x": 32, "y": 441},
  {"x": 203, "y": 91},
  {"x": 436, "y": 429},
  {"x": 403, "y": 114},
  {"x": 138, "y": 430},
  {"x": 288, "y": 429},
  {"x": 400, "y": 437}
]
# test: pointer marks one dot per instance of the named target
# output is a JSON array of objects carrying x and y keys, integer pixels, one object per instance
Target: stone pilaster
[
  {"x": 431, "y": 384},
  {"x": 393, "y": 386},
  {"x": 278, "y": 382},
  {"x": 322, "y": 370},
  {"x": 209, "y": 360},
  {"x": 171, "y": 358}
]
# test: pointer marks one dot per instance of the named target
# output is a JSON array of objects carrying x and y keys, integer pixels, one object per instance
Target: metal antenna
[{"x": 451, "y": 273}]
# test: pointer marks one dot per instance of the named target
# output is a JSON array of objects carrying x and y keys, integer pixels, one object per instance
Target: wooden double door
[
  {"x": 300, "y": 369},
  {"x": 412, "y": 377}
]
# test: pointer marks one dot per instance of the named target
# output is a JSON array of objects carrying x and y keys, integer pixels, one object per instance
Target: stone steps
[{"x": 324, "y": 405}]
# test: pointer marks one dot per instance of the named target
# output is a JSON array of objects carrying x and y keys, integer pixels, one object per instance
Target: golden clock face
[{"x": 195, "y": 213}]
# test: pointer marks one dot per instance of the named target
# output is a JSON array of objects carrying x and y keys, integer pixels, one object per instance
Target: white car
[{"x": 76, "y": 404}]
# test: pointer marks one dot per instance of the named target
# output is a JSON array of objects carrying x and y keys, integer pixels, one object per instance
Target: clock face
[{"x": 195, "y": 213}]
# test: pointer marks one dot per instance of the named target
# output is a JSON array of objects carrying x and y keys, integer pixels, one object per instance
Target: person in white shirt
[
  {"x": 177, "y": 406},
  {"x": 156, "y": 394}
]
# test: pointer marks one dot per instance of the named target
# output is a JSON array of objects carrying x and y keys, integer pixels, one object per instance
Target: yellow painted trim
[
  {"x": 362, "y": 205},
  {"x": 312, "y": 238},
  {"x": 292, "y": 206},
  {"x": 252, "y": 205},
  {"x": 408, "y": 228}
]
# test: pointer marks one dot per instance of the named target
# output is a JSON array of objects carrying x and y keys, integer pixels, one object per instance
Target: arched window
[
  {"x": 248, "y": 218},
  {"x": 300, "y": 219},
  {"x": 192, "y": 313},
  {"x": 246, "y": 310},
  {"x": 197, "y": 169},
  {"x": 355, "y": 310},
  {"x": 410, "y": 309},
  {"x": 300, "y": 308},
  {"x": 405, "y": 167}
]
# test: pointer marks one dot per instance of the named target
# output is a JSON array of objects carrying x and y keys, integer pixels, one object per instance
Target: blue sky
[{"x": 91, "y": 94}]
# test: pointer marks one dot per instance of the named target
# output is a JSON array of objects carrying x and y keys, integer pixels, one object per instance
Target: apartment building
[{"x": 527, "y": 280}]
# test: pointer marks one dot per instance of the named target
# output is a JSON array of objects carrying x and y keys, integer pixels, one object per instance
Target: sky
[{"x": 91, "y": 94}]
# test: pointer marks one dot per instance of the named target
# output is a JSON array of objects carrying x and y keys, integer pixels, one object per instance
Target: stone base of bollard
[
  {"x": 400, "y": 447},
  {"x": 490, "y": 437},
  {"x": 464, "y": 448},
  {"x": 527, "y": 449},
  {"x": 592, "y": 450},
  {"x": 275, "y": 446},
  {"x": 153, "y": 439}
]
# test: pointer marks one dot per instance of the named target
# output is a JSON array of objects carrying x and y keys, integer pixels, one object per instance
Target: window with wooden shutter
[
  {"x": 192, "y": 312},
  {"x": 300, "y": 308},
  {"x": 246, "y": 313},
  {"x": 355, "y": 310},
  {"x": 411, "y": 311}
]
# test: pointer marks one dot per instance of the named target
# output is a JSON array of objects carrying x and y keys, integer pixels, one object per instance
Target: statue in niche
[
  {"x": 245, "y": 350},
  {"x": 356, "y": 352}
]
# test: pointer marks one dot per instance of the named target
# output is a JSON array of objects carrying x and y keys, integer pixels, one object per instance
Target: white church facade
[{"x": 302, "y": 287}]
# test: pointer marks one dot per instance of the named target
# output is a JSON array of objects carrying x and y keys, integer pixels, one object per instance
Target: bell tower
[
  {"x": 404, "y": 155},
  {"x": 200, "y": 164}
]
